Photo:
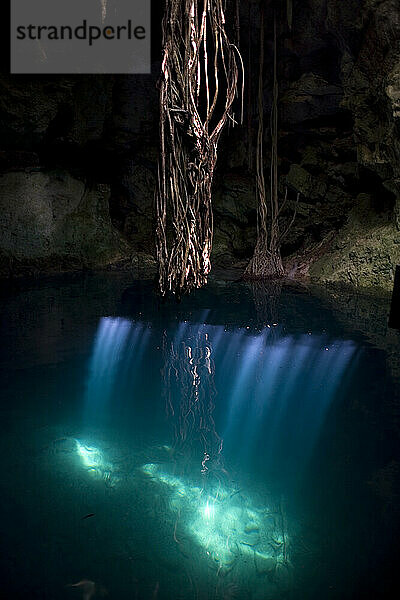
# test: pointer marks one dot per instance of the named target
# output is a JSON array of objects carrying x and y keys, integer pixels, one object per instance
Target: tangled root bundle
[{"x": 198, "y": 85}]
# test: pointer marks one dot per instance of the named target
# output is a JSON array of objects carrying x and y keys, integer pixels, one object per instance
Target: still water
[{"x": 242, "y": 444}]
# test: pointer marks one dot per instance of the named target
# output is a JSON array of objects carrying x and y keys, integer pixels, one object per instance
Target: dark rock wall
[
  {"x": 70, "y": 147},
  {"x": 367, "y": 249},
  {"x": 78, "y": 154}
]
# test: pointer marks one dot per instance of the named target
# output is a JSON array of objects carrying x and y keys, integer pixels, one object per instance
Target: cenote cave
[{"x": 200, "y": 300}]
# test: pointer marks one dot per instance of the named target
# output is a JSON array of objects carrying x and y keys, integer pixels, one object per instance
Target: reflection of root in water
[
  {"x": 266, "y": 295},
  {"x": 189, "y": 389}
]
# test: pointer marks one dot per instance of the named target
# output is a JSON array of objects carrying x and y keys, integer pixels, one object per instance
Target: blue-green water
[{"x": 240, "y": 444}]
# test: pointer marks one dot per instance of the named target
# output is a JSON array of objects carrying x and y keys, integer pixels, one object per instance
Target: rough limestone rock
[
  {"x": 264, "y": 564},
  {"x": 339, "y": 138},
  {"x": 132, "y": 205},
  {"x": 393, "y": 90},
  {"x": 235, "y": 208},
  {"x": 55, "y": 219},
  {"x": 371, "y": 77},
  {"x": 311, "y": 187},
  {"x": 352, "y": 147},
  {"x": 310, "y": 97},
  {"x": 365, "y": 253},
  {"x": 37, "y": 110}
]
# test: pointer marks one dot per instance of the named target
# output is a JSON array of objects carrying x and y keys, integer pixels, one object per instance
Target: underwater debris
[{"x": 89, "y": 589}]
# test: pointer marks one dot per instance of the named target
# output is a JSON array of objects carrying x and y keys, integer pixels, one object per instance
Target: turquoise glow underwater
[{"x": 218, "y": 448}]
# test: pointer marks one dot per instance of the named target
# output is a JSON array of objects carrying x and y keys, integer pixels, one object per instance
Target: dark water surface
[{"x": 241, "y": 444}]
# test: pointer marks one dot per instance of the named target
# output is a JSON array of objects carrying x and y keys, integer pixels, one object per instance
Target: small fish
[
  {"x": 87, "y": 516},
  {"x": 88, "y": 588}
]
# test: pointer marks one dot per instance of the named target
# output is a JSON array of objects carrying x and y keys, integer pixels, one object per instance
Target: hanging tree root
[
  {"x": 266, "y": 262},
  {"x": 198, "y": 80}
]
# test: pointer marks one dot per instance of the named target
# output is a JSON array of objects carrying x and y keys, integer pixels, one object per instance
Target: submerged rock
[{"x": 264, "y": 564}]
